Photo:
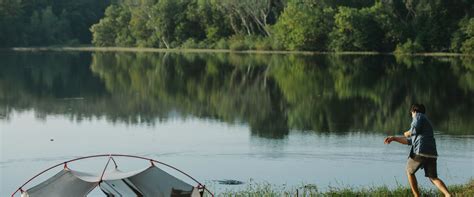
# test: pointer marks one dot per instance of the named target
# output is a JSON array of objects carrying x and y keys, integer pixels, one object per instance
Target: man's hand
[
  {"x": 388, "y": 140},
  {"x": 407, "y": 134},
  {"x": 399, "y": 139}
]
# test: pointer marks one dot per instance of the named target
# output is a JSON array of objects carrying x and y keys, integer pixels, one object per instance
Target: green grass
[{"x": 267, "y": 190}]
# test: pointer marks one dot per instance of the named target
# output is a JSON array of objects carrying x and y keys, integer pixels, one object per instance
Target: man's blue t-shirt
[{"x": 422, "y": 139}]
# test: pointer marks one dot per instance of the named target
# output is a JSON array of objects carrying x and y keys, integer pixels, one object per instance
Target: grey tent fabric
[
  {"x": 113, "y": 183},
  {"x": 120, "y": 188},
  {"x": 64, "y": 183},
  {"x": 150, "y": 181}
]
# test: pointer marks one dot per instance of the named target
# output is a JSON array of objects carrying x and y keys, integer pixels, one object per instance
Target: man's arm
[{"x": 401, "y": 140}]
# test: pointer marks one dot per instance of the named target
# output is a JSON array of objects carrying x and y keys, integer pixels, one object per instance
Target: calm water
[{"x": 280, "y": 119}]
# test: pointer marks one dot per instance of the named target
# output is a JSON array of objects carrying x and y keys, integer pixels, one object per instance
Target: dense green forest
[
  {"x": 48, "y": 22},
  {"x": 405, "y": 26},
  {"x": 319, "y": 25},
  {"x": 271, "y": 93}
]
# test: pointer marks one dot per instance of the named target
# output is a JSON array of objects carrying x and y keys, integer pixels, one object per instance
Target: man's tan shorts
[{"x": 416, "y": 162}]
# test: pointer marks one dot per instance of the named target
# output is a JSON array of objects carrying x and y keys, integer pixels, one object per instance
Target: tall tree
[
  {"x": 356, "y": 30},
  {"x": 112, "y": 29},
  {"x": 46, "y": 28},
  {"x": 468, "y": 44},
  {"x": 163, "y": 20},
  {"x": 250, "y": 16},
  {"x": 304, "y": 26},
  {"x": 10, "y": 22}
]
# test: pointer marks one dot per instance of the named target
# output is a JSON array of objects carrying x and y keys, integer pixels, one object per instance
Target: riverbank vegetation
[
  {"x": 461, "y": 190},
  {"x": 296, "y": 25},
  {"x": 311, "y": 25}
]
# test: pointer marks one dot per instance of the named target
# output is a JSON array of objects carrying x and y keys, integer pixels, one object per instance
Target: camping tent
[{"x": 151, "y": 181}]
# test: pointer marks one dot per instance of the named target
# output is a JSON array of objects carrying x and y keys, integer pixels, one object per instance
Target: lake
[{"x": 285, "y": 120}]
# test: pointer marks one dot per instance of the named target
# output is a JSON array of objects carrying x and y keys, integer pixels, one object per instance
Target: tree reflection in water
[{"x": 273, "y": 94}]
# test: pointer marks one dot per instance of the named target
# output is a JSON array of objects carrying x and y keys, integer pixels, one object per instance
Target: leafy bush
[
  {"x": 73, "y": 42},
  {"x": 263, "y": 44},
  {"x": 459, "y": 36},
  {"x": 409, "y": 47},
  {"x": 463, "y": 39},
  {"x": 251, "y": 41},
  {"x": 222, "y": 44},
  {"x": 277, "y": 45},
  {"x": 190, "y": 44},
  {"x": 356, "y": 30},
  {"x": 468, "y": 45},
  {"x": 240, "y": 43},
  {"x": 238, "y": 46},
  {"x": 205, "y": 44},
  {"x": 303, "y": 26}
]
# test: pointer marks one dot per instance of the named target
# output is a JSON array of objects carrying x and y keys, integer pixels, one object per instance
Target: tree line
[
  {"x": 48, "y": 22},
  {"x": 406, "y": 26}
]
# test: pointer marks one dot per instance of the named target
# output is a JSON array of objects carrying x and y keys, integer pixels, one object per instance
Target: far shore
[{"x": 183, "y": 50}]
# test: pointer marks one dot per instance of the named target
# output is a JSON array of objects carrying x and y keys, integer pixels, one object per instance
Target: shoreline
[
  {"x": 466, "y": 189},
  {"x": 183, "y": 50}
]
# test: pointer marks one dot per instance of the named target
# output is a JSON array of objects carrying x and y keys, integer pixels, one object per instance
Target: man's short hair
[{"x": 420, "y": 108}]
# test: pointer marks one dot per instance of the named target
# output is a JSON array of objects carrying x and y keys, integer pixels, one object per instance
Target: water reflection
[{"x": 273, "y": 94}]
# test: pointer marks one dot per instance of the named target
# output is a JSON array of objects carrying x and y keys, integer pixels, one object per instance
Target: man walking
[{"x": 423, "y": 152}]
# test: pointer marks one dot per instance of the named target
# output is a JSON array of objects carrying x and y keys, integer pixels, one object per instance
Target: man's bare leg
[
  {"x": 441, "y": 186},
  {"x": 413, "y": 184}
]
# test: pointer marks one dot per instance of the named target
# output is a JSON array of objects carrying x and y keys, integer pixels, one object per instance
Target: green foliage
[
  {"x": 324, "y": 25},
  {"x": 250, "y": 17},
  {"x": 468, "y": 44},
  {"x": 214, "y": 22},
  {"x": 409, "y": 47},
  {"x": 138, "y": 27},
  {"x": 166, "y": 21},
  {"x": 255, "y": 189},
  {"x": 222, "y": 44},
  {"x": 356, "y": 30},
  {"x": 460, "y": 35},
  {"x": 463, "y": 190},
  {"x": 304, "y": 26},
  {"x": 263, "y": 44},
  {"x": 212, "y": 33},
  {"x": 10, "y": 14},
  {"x": 113, "y": 29},
  {"x": 190, "y": 44},
  {"x": 48, "y": 22},
  {"x": 163, "y": 21},
  {"x": 240, "y": 43},
  {"x": 238, "y": 46},
  {"x": 432, "y": 23},
  {"x": 47, "y": 28}
]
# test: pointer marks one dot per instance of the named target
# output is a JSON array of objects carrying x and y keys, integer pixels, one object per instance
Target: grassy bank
[
  {"x": 186, "y": 50},
  {"x": 269, "y": 190}
]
